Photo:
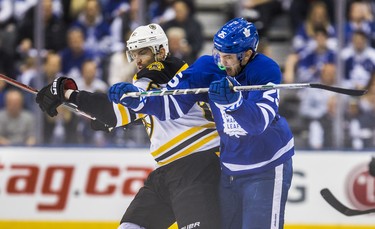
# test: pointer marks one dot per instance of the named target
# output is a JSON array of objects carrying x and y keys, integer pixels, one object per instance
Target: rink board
[{"x": 91, "y": 187}]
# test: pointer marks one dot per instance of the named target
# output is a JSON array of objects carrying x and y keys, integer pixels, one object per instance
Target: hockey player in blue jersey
[{"x": 256, "y": 143}]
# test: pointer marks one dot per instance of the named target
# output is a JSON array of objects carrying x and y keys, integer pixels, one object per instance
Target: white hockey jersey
[{"x": 171, "y": 139}]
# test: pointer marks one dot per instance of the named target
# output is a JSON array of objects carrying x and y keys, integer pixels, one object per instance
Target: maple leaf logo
[{"x": 246, "y": 32}]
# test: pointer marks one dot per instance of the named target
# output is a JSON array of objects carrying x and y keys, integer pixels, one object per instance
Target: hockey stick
[
  {"x": 351, "y": 92},
  {"x": 336, "y": 204},
  {"x": 27, "y": 88}
]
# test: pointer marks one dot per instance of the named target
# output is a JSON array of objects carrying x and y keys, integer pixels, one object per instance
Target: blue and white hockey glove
[
  {"x": 221, "y": 93},
  {"x": 119, "y": 89}
]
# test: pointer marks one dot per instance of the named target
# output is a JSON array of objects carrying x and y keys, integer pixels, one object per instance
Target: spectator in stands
[
  {"x": 367, "y": 108},
  {"x": 261, "y": 13},
  {"x": 119, "y": 68},
  {"x": 317, "y": 17},
  {"x": 75, "y": 53},
  {"x": 125, "y": 21},
  {"x": 54, "y": 28},
  {"x": 11, "y": 13},
  {"x": 7, "y": 51},
  {"x": 114, "y": 8},
  {"x": 321, "y": 132},
  {"x": 306, "y": 65},
  {"x": 89, "y": 80},
  {"x": 28, "y": 71},
  {"x": 91, "y": 83},
  {"x": 317, "y": 109},
  {"x": 361, "y": 18},
  {"x": 27, "y": 74},
  {"x": 61, "y": 129},
  {"x": 359, "y": 61},
  {"x": 178, "y": 45},
  {"x": 51, "y": 68},
  {"x": 185, "y": 19},
  {"x": 359, "y": 126},
  {"x": 96, "y": 30},
  {"x": 71, "y": 9},
  {"x": 298, "y": 10},
  {"x": 17, "y": 124},
  {"x": 367, "y": 101},
  {"x": 160, "y": 11}
]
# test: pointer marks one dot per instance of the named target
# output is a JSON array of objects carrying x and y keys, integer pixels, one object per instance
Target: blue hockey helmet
[{"x": 236, "y": 36}]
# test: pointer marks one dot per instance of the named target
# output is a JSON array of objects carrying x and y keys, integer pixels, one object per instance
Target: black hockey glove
[{"x": 52, "y": 95}]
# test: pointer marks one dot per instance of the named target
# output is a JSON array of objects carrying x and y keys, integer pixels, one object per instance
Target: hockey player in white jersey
[
  {"x": 184, "y": 187},
  {"x": 256, "y": 143}
]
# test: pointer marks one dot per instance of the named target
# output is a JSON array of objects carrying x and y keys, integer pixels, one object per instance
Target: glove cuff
[
  {"x": 232, "y": 106},
  {"x": 59, "y": 85}
]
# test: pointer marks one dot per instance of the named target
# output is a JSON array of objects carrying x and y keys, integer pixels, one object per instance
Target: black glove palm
[{"x": 52, "y": 95}]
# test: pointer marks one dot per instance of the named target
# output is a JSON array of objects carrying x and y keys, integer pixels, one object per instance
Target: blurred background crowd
[{"x": 320, "y": 41}]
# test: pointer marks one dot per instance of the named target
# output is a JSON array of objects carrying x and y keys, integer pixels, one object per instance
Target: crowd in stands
[
  {"x": 84, "y": 39},
  {"x": 313, "y": 58}
]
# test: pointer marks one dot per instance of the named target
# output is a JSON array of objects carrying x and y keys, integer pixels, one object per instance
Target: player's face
[
  {"x": 228, "y": 62},
  {"x": 142, "y": 57}
]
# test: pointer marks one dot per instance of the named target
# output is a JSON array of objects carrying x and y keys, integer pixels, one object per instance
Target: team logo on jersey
[
  {"x": 231, "y": 126},
  {"x": 156, "y": 66}
]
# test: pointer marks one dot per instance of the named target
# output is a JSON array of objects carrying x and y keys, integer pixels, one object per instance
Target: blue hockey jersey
[{"x": 253, "y": 138}]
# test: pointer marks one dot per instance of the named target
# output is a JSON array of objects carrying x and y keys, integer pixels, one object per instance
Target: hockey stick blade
[
  {"x": 336, "y": 204},
  {"x": 352, "y": 92}
]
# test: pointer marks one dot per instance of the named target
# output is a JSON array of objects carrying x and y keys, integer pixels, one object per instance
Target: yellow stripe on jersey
[
  {"x": 191, "y": 148},
  {"x": 183, "y": 136},
  {"x": 184, "y": 67},
  {"x": 125, "y": 116},
  {"x": 138, "y": 116}
]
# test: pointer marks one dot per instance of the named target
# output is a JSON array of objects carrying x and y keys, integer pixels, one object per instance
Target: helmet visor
[{"x": 143, "y": 53}]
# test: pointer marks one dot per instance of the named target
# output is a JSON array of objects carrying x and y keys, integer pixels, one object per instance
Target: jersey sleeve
[
  {"x": 260, "y": 108},
  {"x": 176, "y": 106},
  {"x": 98, "y": 105}
]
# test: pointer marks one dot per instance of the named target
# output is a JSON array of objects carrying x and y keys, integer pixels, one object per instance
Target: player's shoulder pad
[
  {"x": 262, "y": 69},
  {"x": 160, "y": 72}
]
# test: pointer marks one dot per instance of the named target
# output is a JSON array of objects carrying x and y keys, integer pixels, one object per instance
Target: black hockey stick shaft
[
  {"x": 346, "y": 91},
  {"x": 352, "y": 92},
  {"x": 27, "y": 88},
  {"x": 336, "y": 204}
]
